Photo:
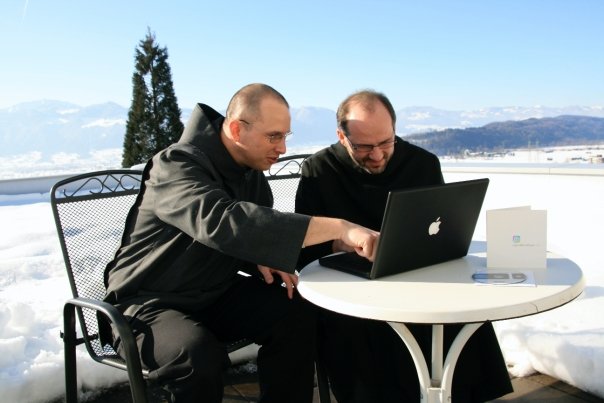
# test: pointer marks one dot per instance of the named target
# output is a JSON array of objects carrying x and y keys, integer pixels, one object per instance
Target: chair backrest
[
  {"x": 283, "y": 177},
  {"x": 90, "y": 211}
]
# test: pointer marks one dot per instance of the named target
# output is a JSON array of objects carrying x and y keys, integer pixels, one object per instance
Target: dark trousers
[
  {"x": 366, "y": 361},
  {"x": 185, "y": 351}
]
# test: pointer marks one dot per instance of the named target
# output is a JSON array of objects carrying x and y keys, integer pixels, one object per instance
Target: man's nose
[
  {"x": 281, "y": 147},
  {"x": 376, "y": 153}
]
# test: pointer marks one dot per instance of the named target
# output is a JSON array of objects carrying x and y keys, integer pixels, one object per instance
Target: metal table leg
[{"x": 435, "y": 389}]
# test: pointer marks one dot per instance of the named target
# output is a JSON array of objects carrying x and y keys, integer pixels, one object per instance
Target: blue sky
[{"x": 456, "y": 55}]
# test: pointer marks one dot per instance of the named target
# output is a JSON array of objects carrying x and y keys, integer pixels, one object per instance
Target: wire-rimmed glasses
[
  {"x": 367, "y": 148},
  {"x": 272, "y": 137}
]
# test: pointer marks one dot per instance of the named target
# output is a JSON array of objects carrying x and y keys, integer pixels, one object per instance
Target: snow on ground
[{"x": 567, "y": 343}]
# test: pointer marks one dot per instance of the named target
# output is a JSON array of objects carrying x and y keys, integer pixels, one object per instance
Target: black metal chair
[{"x": 90, "y": 211}]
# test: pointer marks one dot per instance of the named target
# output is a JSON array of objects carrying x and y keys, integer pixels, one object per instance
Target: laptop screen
[{"x": 421, "y": 227}]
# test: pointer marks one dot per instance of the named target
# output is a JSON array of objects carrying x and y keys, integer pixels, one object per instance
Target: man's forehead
[
  {"x": 272, "y": 107},
  {"x": 362, "y": 119}
]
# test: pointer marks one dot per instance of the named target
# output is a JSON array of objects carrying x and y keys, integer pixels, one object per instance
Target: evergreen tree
[{"x": 154, "y": 116}]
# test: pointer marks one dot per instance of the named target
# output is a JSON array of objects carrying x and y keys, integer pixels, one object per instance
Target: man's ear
[
  {"x": 341, "y": 136},
  {"x": 235, "y": 128}
]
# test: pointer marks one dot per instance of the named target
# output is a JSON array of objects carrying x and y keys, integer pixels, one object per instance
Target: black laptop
[{"x": 421, "y": 227}]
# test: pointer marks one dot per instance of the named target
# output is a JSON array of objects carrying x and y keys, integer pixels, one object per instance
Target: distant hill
[
  {"x": 52, "y": 127},
  {"x": 501, "y": 136}
]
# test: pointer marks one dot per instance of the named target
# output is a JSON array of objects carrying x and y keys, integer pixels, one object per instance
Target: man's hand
[
  {"x": 360, "y": 239},
  {"x": 346, "y": 236},
  {"x": 290, "y": 281},
  {"x": 339, "y": 246}
]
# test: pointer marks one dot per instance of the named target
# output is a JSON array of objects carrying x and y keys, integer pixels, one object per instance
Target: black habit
[{"x": 365, "y": 360}]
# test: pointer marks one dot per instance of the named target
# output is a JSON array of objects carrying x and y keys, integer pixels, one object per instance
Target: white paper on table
[{"x": 517, "y": 238}]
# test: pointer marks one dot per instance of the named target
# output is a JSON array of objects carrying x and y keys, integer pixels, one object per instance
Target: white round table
[{"x": 437, "y": 295}]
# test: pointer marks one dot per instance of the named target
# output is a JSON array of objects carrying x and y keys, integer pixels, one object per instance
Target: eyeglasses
[
  {"x": 367, "y": 148},
  {"x": 272, "y": 137}
]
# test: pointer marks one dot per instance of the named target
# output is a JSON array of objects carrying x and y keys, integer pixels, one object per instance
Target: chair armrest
[
  {"x": 121, "y": 325},
  {"x": 109, "y": 311}
]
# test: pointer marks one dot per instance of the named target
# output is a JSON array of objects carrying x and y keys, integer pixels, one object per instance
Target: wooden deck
[{"x": 241, "y": 387}]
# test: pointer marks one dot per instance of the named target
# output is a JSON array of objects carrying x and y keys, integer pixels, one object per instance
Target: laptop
[{"x": 421, "y": 227}]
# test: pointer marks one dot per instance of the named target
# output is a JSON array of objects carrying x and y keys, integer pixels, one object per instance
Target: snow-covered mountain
[
  {"x": 52, "y": 127},
  {"x": 422, "y": 119}
]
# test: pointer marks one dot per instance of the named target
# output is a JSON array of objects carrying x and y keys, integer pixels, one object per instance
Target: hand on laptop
[
  {"x": 339, "y": 246},
  {"x": 359, "y": 239}
]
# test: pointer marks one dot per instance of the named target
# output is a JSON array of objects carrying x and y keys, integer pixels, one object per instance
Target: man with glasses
[
  {"x": 204, "y": 214},
  {"x": 366, "y": 361}
]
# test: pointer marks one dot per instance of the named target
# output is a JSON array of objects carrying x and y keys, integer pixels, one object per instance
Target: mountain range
[
  {"x": 52, "y": 127},
  {"x": 565, "y": 130}
]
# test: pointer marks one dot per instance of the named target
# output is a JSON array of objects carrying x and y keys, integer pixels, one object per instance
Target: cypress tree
[{"x": 154, "y": 119}]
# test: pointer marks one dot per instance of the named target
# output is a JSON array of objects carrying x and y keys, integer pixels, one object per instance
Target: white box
[{"x": 517, "y": 238}]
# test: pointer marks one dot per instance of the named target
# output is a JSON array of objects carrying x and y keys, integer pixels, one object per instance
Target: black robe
[
  {"x": 365, "y": 360},
  {"x": 333, "y": 186},
  {"x": 199, "y": 218}
]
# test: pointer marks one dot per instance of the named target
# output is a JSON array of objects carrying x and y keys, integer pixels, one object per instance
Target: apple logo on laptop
[{"x": 434, "y": 227}]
